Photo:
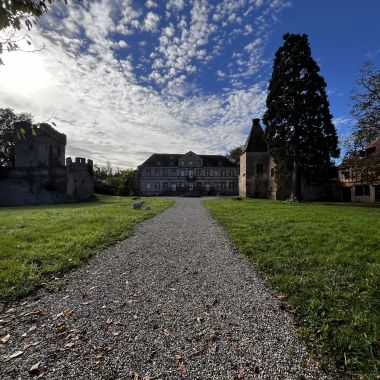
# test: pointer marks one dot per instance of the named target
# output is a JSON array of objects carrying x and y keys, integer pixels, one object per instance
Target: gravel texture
[{"x": 175, "y": 301}]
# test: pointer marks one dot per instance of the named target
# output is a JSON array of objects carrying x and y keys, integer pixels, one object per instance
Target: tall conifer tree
[{"x": 299, "y": 128}]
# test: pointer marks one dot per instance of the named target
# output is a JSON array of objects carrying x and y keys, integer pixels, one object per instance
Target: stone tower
[
  {"x": 256, "y": 178},
  {"x": 39, "y": 146}
]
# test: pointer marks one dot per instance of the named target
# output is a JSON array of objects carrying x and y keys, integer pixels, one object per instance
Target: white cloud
[
  {"x": 110, "y": 106},
  {"x": 150, "y": 4},
  {"x": 122, "y": 44},
  {"x": 151, "y": 22},
  {"x": 175, "y": 4},
  {"x": 248, "y": 29}
]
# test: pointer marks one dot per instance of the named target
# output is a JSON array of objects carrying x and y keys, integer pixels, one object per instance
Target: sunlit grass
[
  {"x": 38, "y": 243},
  {"x": 326, "y": 259}
]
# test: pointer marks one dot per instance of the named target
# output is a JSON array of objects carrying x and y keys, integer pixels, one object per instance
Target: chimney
[{"x": 256, "y": 122}]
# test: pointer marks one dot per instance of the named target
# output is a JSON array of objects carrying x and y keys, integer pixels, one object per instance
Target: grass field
[
  {"x": 325, "y": 258},
  {"x": 38, "y": 243}
]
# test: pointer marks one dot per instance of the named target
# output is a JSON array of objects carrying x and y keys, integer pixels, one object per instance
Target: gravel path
[{"x": 175, "y": 301}]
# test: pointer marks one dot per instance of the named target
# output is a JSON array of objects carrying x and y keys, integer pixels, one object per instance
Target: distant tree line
[{"x": 113, "y": 182}]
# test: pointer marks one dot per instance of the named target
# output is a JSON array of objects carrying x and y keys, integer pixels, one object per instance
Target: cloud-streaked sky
[{"x": 127, "y": 78}]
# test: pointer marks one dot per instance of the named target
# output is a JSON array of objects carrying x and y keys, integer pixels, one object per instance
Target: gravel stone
[{"x": 175, "y": 301}]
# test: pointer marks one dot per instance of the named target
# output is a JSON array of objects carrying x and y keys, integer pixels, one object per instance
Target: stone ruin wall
[
  {"x": 28, "y": 186},
  {"x": 80, "y": 178},
  {"x": 40, "y": 175}
]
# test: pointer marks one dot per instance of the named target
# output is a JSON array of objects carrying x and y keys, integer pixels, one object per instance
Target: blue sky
[{"x": 127, "y": 78}]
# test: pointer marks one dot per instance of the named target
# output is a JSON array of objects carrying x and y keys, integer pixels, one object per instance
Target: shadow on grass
[{"x": 94, "y": 200}]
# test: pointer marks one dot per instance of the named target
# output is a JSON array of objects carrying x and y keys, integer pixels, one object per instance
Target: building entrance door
[
  {"x": 346, "y": 194},
  {"x": 377, "y": 193}
]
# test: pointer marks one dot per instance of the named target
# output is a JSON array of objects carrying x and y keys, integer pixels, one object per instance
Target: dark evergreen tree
[{"x": 299, "y": 128}]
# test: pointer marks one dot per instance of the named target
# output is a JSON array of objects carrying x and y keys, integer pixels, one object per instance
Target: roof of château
[
  {"x": 170, "y": 159},
  {"x": 256, "y": 140}
]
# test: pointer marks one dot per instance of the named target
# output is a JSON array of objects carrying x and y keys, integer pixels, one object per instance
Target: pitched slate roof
[
  {"x": 255, "y": 141},
  {"x": 170, "y": 159}
]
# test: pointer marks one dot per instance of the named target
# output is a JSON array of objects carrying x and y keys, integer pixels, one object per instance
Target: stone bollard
[{"x": 138, "y": 205}]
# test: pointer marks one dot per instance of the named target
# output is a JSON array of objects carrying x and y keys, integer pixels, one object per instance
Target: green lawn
[
  {"x": 38, "y": 243},
  {"x": 326, "y": 259}
]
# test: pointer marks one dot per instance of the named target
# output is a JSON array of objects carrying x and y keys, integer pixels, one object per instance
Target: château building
[
  {"x": 190, "y": 173},
  {"x": 360, "y": 178}
]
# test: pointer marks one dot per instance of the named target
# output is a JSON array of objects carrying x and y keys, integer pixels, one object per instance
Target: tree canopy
[
  {"x": 17, "y": 13},
  {"x": 299, "y": 128},
  {"x": 234, "y": 154},
  {"x": 365, "y": 102},
  {"x": 108, "y": 181},
  {"x": 7, "y": 134}
]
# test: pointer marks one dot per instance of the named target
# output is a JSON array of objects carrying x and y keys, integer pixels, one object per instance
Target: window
[
  {"x": 223, "y": 185},
  {"x": 182, "y": 172},
  {"x": 199, "y": 172},
  {"x": 181, "y": 162},
  {"x": 148, "y": 172},
  {"x": 231, "y": 173},
  {"x": 216, "y": 173},
  {"x": 190, "y": 162},
  {"x": 182, "y": 185},
  {"x": 191, "y": 187},
  {"x": 165, "y": 185},
  {"x": 207, "y": 186},
  {"x": 147, "y": 185},
  {"x": 259, "y": 168},
  {"x": 362, "y": 190},
  {"x": 199, "y": 185},
  {"x": 158, "y": 163},
  {"x": 198, "y": 163},
  {"x": 223, "y": 173},
  {"x": 216, "y": 185},
  {"x": 174, "y": 172},
  {"x": 207, "y": 173},
  {"x": 231, "y": 185},
  {"x": 174, "y": 186},
  {"x": 190, "y": 173},
  {"x": 165, "y": 172},
  {"x": 157, "y": 172},
  {"x": 157, "y": 186}
]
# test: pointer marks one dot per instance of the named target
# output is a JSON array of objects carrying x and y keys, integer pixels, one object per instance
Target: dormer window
[{"x": 190, "y": 162}]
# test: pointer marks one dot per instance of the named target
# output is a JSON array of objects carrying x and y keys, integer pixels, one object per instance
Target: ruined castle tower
[
  {"x": 256, "y": 178},
  {"x": 39, "y": 146},
  {"x": 40, "y": 175}
]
